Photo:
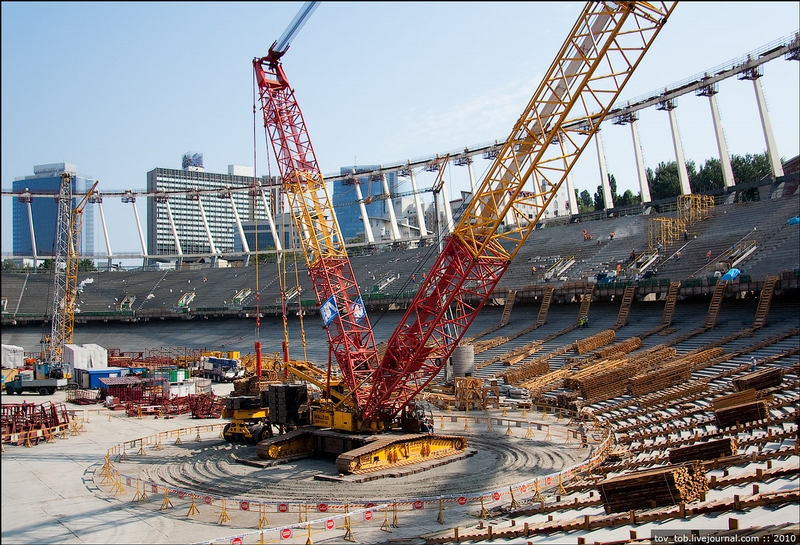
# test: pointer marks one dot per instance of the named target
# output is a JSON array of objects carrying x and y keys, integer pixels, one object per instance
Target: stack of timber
[
  {"x": 595, "y": 341},
  {"x": 708, "y": 450},
  {"x": 468, "y": 392},
  {"x": 617, "y": 349},
  {"x": 251, "y": 386},
  {"x": 567, "y": 400},
  {"x": 741, "y": 414},
  {"x": 534, "y": 368},
  {"x": 731, "y": 400},
  {"x": 671, "y": 373},
  {"x": 654, "y": 488},
  {"x": 602, "y": 380},
  {"x": 759, "y": 380}
]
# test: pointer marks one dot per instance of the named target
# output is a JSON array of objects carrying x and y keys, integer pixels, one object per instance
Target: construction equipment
[
  {"x": 65, "y": 276},
  {"x": 598, "y": 57}
]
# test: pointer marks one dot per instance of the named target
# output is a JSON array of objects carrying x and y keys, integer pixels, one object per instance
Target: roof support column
[
  {"x": 269, "y": 212},
  {"x": 395, "y": 231},
  {"x": 670, "y": 105},
  {"x": 131, "y": 199},
  {"x": 772, "y": 148},
  {"x": 368, "y": 236},
  {"x": 423, "y": 231},
  {"x": 608, "y": 198},
  {"x": 105, "y": 231}
]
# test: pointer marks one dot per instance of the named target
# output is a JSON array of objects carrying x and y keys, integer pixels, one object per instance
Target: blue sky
[{"x": 121, "y": 88}]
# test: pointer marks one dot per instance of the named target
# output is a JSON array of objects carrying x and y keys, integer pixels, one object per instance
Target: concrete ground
[{"x": 56, "y": 492}]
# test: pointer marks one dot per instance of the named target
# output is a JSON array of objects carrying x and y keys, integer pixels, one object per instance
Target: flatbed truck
[{"x": 45, "y": 386}]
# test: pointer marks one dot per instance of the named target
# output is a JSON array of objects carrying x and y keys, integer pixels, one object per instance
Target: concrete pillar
[
  {"x": 368, "y": 237},
  {"x": 608, "y": 199},
  {"x": 722, "y": 146},
  {"x": 769, "y": 137},
  {"x": 395, "y": 231},
  {"x": 173, "y": 228},
  {"x": 105, "y": 231},
  {"x": 212, "y": 248},
  {"x": 270, "y": 213},
  {"x": 683, "y": 175},
  {"x": 572, "y": 198},
  {"x": 423, "y": 231},
  {"x": 644, "y": 186},
  {"x": 245, "y": 245}
]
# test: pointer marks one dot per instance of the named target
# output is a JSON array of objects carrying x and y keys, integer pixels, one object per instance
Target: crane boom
[
  {"x": 598, "y": 57},
  {"x": 345, "y": 320}
]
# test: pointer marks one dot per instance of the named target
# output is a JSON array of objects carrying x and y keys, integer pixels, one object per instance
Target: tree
[
  {"x": 750, "y": 168},
  {"x": 584, "y": 201},
  {"x": 46, "y": 265},
  {"x": 10, "y": 266},
  {"x": 86, "y": 265}
]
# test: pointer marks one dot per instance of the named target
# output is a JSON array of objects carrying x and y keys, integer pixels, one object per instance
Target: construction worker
[
  {"x": 582, "y": 432},
  {"x": 753, "y": 363}
]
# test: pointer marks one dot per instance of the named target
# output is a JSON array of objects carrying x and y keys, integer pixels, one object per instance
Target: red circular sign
[
  {"x": 329, "y": 524},
  {"x": 286, "y": 533},
  {"x": 244, "y": 505},
  {"x": 236, "y": 541},
  {"x": 155, "y": 488},
  {"x": 462, "y": 500},
  {"x": 548, "y": 480},
  {"x": 180, "y": 494},
  {"x": 207, "y": 499},
  {"x": 496, "y": 496},
  {"x": 524, "y": 488},
  {"x": 370, "y": 504},
  {"x": 367, "y": 515},
  {"x": 418, "y": 504},
  {"x": 322, "y": 507},
  {"x": 282, "y": 508}
]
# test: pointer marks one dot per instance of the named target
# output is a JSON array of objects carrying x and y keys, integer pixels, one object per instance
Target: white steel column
[
  {"x": 471, "y": 171},
  {"x": 131, "y": 199},
  {"x": 769, "y": 137},
  {"x": 711, "y": 91},
  {"x": 173, "y": 228},
  {"x": 368, "y": 236},
  {"x": 245, "y": 245},
  {"x": 683, "y": 175},
  {"x": 644, "y": 186},
  {"x": 33, "y": 234},
  {"x": 105, "y": 229},
  {"x": 423, "y": 232},
  {"x": 270, "y": 220},
  {"x": 608, "y": 198},
  {"x": 448, "y": 211},
  {"x": 572, "y": 197},
  {"x": 211, "y": 246},
  {"x": 392, "y": 218}
]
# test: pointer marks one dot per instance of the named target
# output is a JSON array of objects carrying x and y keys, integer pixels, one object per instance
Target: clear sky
[{"x": 119, "y": 89}]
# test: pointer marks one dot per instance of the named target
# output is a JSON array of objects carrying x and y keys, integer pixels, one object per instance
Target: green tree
[
  {"x": 46, "y": 265},
  {"x": 750, "y": 168},
  {"x": 708, "y": 178},
  {"x": 86, "y": 265}
]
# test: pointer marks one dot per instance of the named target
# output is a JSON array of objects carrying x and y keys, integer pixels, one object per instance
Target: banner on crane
[
  {"x": 329, "y": 310},
  {"x": 357, "y": 309}
]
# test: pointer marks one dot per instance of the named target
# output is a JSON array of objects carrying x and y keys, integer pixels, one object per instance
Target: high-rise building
[
  {"x": 345, "y": 201},
  {"x": 46, "y": 179},
  {"x": 194, "y": 216}
]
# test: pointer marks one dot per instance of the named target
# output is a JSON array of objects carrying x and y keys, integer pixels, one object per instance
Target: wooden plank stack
[
  {"x": 731, "y": 400},
  {"x": 622, "y": 347},
  {"x": 595, "y": 341},
  {"x": 759, "y": 380},
  {"x": 741, "y": 414},
  {"x": 708, "y": 450},
  {"x": 651, "y": 488}
]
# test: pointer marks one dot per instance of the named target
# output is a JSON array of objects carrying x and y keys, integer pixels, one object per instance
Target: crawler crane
[{"x": 600, "y": 54}]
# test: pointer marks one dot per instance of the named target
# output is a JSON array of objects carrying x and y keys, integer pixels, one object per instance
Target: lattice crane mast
[
  {"x": 598, "y": 57},
  {"x": 65, "y": 272},
  {"x": 346, "y": 323}
]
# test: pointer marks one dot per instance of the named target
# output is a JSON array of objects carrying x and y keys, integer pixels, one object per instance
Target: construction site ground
[{"x": 55, "y": 493}]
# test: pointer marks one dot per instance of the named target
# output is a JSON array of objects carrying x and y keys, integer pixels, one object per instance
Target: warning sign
[
  {"x": 322, "y": 507},
  {"x": 236, "y": 541},
  {"x": 418, "y": 504},
  {"x": 329, "y": 524},
  {"x": 524, "y": 488},
  {"x": 283, "y": 508},
  {"x": 496, "y": 496},
  {"x": 244, "y": 505},
  {"x": 462, "y": 500},
  {"x": 368, "y": 515},
  {"x": 286, "y": 533},
  {"x": 207, "y": 499},
  {"x": 548, "y": 481}
]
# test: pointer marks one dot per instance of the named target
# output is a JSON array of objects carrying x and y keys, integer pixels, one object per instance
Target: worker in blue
[{"x": 753, "y": 363}]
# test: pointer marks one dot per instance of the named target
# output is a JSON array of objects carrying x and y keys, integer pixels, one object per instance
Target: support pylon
[
  {"x": 441, "y": 423},
  {"x": 440, "y": 517},
  {"x": 537, "y": 495},
  {"x": 141, "y": 495},
  {"x": 466, "y": 424},
  {"x": 223, "y": 516},
  {"x": 123, "y": 456},
  {"x": 483, "y": 514},
  {"x": 158, "y": 445},
  {"x": 508, "y": 429},
  {"x": 504, "y": 411},
  {"x": 308, "y": 539},
  {"x": 547, "y": 435},
  {"x": 514, "y": 502},
  {"x": 524, "y": 411},
  {"x": 386, "y": 527},
  {"x": 198, "y": 438},
  {"x": 193, "y": 510},
  {"x": 544, "y": 413},
  {"x": 166, "y": 504},
  {"x": 529, "y": 434},
  {"x": 109, "y": 416},
  {"x": 262, "y": 517},
  {"x": 567, "y": 441},
  {"x": 119, "y": 490},
  {"x": 561, "y": 490},
  {"x": 395, "y": 523},
  {"x": 348, "y": 530},
  {"x": 141, "y": 449},
  {"x": 489, "y": 426},
  {"x": 178, "y": 440}
]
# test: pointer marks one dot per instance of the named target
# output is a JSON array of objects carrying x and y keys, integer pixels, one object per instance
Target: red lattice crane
[{"x": 600, "y": 54}]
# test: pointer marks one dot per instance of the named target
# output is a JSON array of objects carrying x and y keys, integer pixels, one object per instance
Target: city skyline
[{"x": 406, "y": 95}]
